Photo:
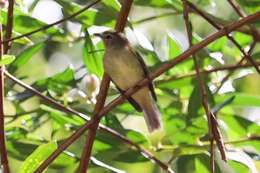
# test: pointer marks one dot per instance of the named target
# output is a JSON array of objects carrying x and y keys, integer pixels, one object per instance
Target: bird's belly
[{"x": 123, "y": 72}]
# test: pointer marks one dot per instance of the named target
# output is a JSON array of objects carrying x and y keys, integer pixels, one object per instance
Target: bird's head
[{"x": 113, "y": 39}]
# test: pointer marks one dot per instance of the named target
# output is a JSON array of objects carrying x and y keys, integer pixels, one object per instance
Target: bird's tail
[{"x": 152, "y": 115}]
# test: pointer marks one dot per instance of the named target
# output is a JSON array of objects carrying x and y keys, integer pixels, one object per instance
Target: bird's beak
[{"x": 98, "y": 35}]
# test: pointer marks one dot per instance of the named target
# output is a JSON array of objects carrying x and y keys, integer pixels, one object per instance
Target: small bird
[{"x": 125, "y": 68}]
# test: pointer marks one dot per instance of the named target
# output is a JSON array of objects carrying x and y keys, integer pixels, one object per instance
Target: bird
[{"x": 126, "y": 68}]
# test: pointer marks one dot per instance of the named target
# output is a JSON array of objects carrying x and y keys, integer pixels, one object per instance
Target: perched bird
[{"x": 125, "y": 68}]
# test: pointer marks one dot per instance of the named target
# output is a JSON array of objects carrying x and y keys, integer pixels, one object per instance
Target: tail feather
[{"x": 152, "y": 116}]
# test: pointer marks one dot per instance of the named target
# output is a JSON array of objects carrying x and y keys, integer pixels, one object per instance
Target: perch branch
[{"x": 86, "y": 154}]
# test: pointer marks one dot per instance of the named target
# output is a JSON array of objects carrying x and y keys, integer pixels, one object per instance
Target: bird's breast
[{"x": 123, "y": 67}]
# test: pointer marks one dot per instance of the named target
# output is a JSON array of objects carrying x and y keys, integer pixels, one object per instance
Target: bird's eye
[{"x": 108, "y": 36}]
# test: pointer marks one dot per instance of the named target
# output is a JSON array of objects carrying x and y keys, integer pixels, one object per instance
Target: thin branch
[
  {"x": 203, "y": 92},
  {"x": 9, "y": 26},
  {"x": 206, "y": 72},
  {"x": 3, "y": 151},
  {"x": 206, "y": 145},
  {"x": 52, "y": 24},
  {"x": 232, "y": 71},
  {"x": 172, "y": 13},
  {"x": 85, "y": 157},
  {"x": 245, "y": 54},
  {"x": 155, "y": 74},
  {"x": 46, "y": 98}
]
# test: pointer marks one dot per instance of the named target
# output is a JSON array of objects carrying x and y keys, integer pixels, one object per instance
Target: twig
[
  {"x": 46, "y": 98},
  {"x": 52, "y": 24},
  {"x": 203, "y": 92},
  {"x": 155, "y": 74},
  {"x": 85, "y": 157},
  {"x": 156, "y": 17},
  {"x": 207, "y": 72},
  {"x": 206, "y": 145},
  {"x": 231, "y": 72},
  {"x": 246, "y": 55},
  {"x": 9, "y": 26},
  {"x": 3, "y": 151}
]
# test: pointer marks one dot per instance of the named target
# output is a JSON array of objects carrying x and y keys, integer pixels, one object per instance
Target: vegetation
[{"x": 59, "y": 111}]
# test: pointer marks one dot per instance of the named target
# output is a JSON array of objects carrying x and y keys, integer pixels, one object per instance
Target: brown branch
[
  {"x": 158, "y": 72},
  {"x": 52, "y": 24},
  {"x": 3, "y": 151},
  {"x": 246, "y": 55},
  {"x": 207, "y": 72},
  {"x": 9, "y": 26},
  {"x": 45, "y": 98},
  {"x": 204, "y": 97},
  {"x": 86, "y": 153},
  {"x": 85, "y": 157},
  {"x": 236, "y": 8},
  {"x": 203, "y": 92},
  {"x": 238, "y": 64}
]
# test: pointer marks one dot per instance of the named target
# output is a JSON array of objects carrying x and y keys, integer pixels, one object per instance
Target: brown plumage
[{"x": 126, "y": 67}]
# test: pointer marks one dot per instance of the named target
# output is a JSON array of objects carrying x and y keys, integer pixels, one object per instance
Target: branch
[
  {"x": 52, "y": 24},
  {"x": 3, "y": 152},
  {"x": 155, "y": 74},
  {"x": 9, "y": 26},
  {"x": 238, "y": 64},
  {"x": 86, "y": 154},
  {"x": 207, "y": 72},
  {"x": 204, "y": 97}
]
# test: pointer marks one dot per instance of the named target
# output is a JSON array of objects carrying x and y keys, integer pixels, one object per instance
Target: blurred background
[{"x": 65, "y": 63}]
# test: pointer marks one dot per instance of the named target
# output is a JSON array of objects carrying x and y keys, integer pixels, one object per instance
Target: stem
[{"x": 3, "y": 151}]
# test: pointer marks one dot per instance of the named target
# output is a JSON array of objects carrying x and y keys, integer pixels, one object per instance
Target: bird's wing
[
  {"x": 146, "y": 72},
  {"x": 129, "y": 98}
]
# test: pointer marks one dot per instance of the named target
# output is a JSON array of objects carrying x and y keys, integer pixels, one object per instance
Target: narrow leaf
[{"x": 37, "y": 157}]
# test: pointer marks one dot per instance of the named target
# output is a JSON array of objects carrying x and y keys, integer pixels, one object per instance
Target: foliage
[{"x": 64, "y": 62}]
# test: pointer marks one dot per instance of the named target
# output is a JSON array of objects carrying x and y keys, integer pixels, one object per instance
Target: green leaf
[
  {"x": 60, "y": 117},
  {"x": 7, "y": 59},
  {"x": 218, "y": 107},
  {"x": 24, "y": 23},
  {"x": 240, "y": 100},
  {"x": 37, "y": 157},
  {"x": 106, "y": 15},
  {"x": 218, "y": 44},
  {"x": 92, "y": 62},
  {"x": 25, "y": 56},
  {"x": 174, "y": 47}
]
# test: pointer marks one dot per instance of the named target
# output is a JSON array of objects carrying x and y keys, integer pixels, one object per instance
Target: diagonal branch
[
  {"x": 155, "y": 74},
  {"x": 207, "y": 72},
  {"x": 52, "y": 24},
  {"x": 204, "y": 97},
  {"x": 85, "y": 157}
]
